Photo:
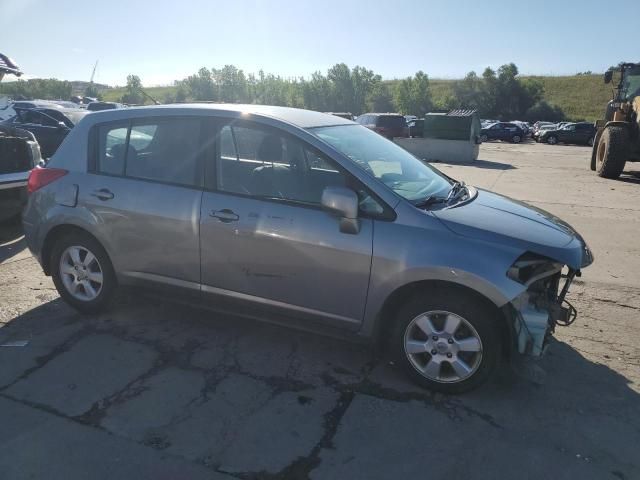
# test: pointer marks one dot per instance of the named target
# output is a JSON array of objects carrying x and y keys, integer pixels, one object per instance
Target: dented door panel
[{"x": 288, "y": 256}]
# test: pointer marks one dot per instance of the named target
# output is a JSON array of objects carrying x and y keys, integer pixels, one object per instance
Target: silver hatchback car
[{"x": 302, "y": 218}]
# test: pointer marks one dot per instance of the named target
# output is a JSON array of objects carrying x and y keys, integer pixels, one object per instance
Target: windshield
[
  {"x": 630, "y": 83},
  {"x": 387, "y": 162}
]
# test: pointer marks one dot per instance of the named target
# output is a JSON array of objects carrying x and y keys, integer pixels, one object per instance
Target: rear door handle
[
  {"x": 102, "y": 194},
  {"x": 225, "y": 215}
]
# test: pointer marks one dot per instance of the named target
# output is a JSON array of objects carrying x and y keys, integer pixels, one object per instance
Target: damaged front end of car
[{"x": 537, "y": 311}]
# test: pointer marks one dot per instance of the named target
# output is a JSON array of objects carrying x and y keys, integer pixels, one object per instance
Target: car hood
[{"x": 496, "y": 218}]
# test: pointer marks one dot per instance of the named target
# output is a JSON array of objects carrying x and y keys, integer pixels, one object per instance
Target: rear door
[
  {"x": 145, "y": 191},
  {"x": 266, "y": 242}
]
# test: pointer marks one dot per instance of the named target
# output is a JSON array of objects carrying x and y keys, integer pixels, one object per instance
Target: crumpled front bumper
[{"x": 536, "y": 313}]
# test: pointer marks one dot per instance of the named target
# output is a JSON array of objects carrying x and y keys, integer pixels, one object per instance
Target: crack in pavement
[{"x": 55, "y": 352}]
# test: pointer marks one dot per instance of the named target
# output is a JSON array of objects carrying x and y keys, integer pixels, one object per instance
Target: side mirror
[
  {"x": 342, "y": 202},
  {"x": 608, "y": 76}
]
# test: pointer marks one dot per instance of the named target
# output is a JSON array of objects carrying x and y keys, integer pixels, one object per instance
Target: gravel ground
[{"x": 158, "y": 390}]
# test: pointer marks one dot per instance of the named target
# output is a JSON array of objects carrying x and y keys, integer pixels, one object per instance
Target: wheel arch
[
  {"x": 386, "y": 315},
  {"x": 56, "y": 233}
]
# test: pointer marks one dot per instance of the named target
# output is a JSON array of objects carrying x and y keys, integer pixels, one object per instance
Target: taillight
[{"x": 39, "y": 177}]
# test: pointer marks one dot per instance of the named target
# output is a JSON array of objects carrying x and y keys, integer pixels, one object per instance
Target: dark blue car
[{"x": 505, "y": 131}]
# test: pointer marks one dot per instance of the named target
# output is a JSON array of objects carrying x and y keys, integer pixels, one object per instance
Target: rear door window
[{"x": 165, "y": 150}]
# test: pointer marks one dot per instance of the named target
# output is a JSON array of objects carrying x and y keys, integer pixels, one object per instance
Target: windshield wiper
[{"x": 430, "y": 200}]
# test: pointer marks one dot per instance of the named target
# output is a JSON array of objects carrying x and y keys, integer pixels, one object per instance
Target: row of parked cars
[{"x": 581, "y": 133}]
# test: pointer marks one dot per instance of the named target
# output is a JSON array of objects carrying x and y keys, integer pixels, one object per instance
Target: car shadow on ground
[
  {"x": 490, "y": 165},
  {"x": 204, "y": 355},
  {"x": 11, "y": 240},
  {"x": 485, "y": 164},
  {"x": 630, "y": 177},
  {"x": 169, "y": 326}
]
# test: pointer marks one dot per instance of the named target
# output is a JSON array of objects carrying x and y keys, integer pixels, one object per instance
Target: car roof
[
  {"x": 296, "y": 116},
  {"x": 388, "y": 114},
  {"x": 59, "y": 110}
]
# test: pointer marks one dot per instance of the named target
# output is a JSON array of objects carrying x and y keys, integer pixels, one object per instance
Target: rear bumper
[{"x": 13, "y": 198}]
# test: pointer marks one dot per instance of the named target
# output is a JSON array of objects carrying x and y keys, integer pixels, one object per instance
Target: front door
[
  {"x": 145, "y": 193},
  {"x": 265, "y": 240}
]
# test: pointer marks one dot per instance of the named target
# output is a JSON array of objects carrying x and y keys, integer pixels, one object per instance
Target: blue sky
[{"x": 445, "y": 39}]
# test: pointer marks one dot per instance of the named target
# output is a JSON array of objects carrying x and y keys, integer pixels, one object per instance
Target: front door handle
[
  {"x": 102, "y": 194},
  {"x": 225, "y": 215}
]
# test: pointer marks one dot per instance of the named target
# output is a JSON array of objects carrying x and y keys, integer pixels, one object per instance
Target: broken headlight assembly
[{"x": 543, "y": 304}]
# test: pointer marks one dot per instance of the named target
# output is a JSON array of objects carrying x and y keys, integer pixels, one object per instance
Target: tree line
[
  {"x": 498, "y": 94},
  {"x": 43, "y": 88}
]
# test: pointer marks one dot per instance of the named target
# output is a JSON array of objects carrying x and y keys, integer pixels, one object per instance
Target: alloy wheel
[
  {"x": 443, "y": 346},
  {"x": 81, "y": 273}
]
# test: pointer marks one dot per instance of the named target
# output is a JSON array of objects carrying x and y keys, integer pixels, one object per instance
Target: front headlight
[
  {"x": 587, "y": 256},
  {"x": 530, "y": 268}
]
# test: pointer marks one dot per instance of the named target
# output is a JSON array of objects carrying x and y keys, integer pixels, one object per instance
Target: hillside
[{"x": 581, "y": 97}]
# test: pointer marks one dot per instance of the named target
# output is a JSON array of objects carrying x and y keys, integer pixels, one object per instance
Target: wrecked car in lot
[
  {"x": 19, "y": 153},
  {"x": 49, "y": 125},
  {"x": 307, "y": 219}
]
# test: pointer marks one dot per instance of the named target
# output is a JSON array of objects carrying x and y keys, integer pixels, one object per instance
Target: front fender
[{"x": 404, "y": 254}]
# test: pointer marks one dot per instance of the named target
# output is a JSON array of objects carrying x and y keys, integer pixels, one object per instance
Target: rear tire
[
  {"x": 483, "y": 138},
  {"x": 516, "y": 139},
  {"x": 83, "y": 273},
  {"x": 612, "y": 152},
  {"x": 552, "y": 140},
  {"x": 474, "y": 350}
]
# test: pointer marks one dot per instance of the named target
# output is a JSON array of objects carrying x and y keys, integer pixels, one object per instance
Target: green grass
[{"x": 581, "y": 97}]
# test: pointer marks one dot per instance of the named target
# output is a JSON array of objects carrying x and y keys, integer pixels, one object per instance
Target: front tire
[
  {"x": 552, "y": 140},
  {"x": 82, "y": 273},
  {"x": 612, "y": 152},
  {"x": 483, "y": 138},
  {"x": 448, "y": 342},
  {"x": 516, "y": 139}
]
